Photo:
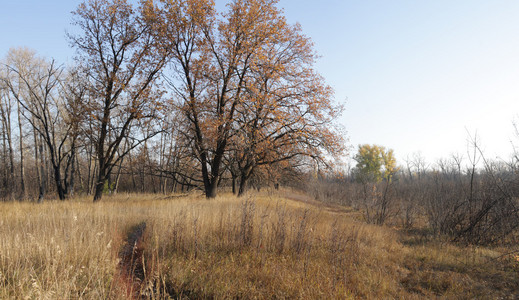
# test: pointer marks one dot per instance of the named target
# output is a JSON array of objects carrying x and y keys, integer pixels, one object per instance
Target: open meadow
[
  {"x": 265, "y": 245},
  {"x": 259, "y": 149}
]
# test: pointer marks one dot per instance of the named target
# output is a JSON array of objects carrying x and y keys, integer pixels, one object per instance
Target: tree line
[
  {"x": 165, "y": 96},
  {"x": 464, "y": 198}
]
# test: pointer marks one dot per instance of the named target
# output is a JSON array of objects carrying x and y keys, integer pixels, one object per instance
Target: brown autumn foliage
[
  {"x": 243, "y": 83},
  {"x": 247, "y": 108},
  {"x": 210, "y": 98}
]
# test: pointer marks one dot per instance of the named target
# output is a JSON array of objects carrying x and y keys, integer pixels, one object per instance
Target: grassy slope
[{"x": 263, "y": 246}]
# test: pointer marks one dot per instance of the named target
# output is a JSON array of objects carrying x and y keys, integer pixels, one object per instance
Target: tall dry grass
[
  {"x": 58, "y": 250},
  {"x": 259, "y": 246},
  {"x": 265, "y": 247}
]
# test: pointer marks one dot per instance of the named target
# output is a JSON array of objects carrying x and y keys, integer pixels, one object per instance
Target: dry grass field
[{"x": 269, "y": 245}]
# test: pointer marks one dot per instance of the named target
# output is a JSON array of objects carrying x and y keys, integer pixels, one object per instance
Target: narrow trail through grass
[{"x": 132, "y": 264}]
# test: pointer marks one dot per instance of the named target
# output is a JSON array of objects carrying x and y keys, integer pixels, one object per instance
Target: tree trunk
[
  {"x": 233, "y": 184},
  {"x": 91, "y": 185},
  {"x": 244, "y": 177},
  {"x": 141, "y": 175},
  {"x": 10, "y": 177},
  {"x": 59, "y": 184},
  {"x": 118, "y": 176},
  {"x": 4, "y": 160},
  {"x": 211, "y": 185},
  {"x": 241, "y": 190},
  {"x": 243, "y": 185},
  {"x": 134, "y": 183},
  {"x": 109, "y": 190},
  {"x": 46, "y": 166},
  {"x": 36, "y": 161},
  {"x": 213, "y": 188},
  {"x": 99, "y": 186},
  {"x": 89, "y": 175},
  {"x": 71, "y": 183},
  {"x": 7, "y": 147},
  {"x": 22, "y": 166},
  {"x": 101, "y": 174},
  {"x": 205, "y": 176},
  {"x": 98, "y": 191},
  {"x": 11, "y": 155},
  {"x": 162, "y": 187},
  {"x": 42, "y": 173},
  {"x": 81, "y": 182}
]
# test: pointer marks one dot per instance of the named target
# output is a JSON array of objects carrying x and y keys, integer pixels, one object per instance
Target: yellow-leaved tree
[{"x": 374, "y": 163}]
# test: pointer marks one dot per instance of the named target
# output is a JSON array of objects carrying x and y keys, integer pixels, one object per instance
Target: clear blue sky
[{"x": 414, "y": 75}]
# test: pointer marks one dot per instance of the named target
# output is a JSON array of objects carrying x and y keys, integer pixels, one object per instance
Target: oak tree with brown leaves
[
  {"x": 243, "y": 81},
  {"x": 287, "y": 110}
]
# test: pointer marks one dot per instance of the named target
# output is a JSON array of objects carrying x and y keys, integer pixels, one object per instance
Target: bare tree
[
  {"x": 123, "y": 60},
  {"x": 21, "y": 59},
  {"x": 39, "y": 165},
  {"x": 6, "y": 108},
  {"x": 37, "y": 85}
]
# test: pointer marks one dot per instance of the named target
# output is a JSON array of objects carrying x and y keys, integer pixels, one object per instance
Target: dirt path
[
  {"x": 298, "y": 197},
  {"x": 131, "y": 266}
]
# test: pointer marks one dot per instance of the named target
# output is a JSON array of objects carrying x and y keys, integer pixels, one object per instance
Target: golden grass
[{"x": 259, "y": 246}]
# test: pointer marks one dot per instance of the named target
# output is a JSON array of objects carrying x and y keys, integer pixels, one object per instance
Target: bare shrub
[
  {"x": 377, "y": 201},
  {"x": 477, "y": 205},
  {"x": 408, "y": 197}
]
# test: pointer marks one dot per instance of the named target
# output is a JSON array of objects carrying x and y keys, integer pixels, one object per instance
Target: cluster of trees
[
  {"x": 170, "y": 93},
  {"x": 465, "y": 197}
]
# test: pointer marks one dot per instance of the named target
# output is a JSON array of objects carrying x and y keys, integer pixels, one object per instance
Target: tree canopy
[
  {"x": 177, "y": 89},
  {"x": 374, "y": 163},
  {"x": 245, "y": 86}
]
